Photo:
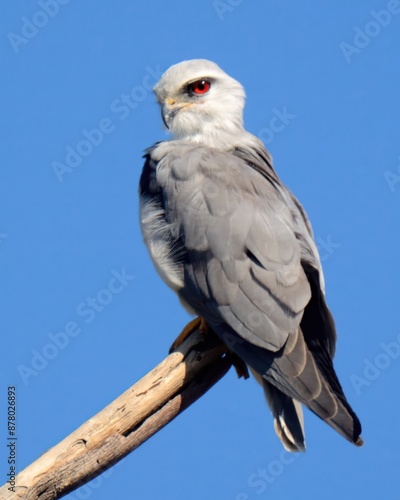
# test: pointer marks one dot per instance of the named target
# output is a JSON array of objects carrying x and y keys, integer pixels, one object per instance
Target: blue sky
[{"x": 77, "y": 114}]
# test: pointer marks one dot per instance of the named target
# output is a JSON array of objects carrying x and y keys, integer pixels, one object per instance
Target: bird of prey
[{"x": 237, "y": 247}]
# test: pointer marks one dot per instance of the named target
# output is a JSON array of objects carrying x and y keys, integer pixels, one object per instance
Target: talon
[
  {"x": 240, "y": 366},
  {"x": 200, "y": 324},
  {"x": 196, "y": 324}
]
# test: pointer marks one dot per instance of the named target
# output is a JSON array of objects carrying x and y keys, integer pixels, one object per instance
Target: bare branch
[{"x": 121, "y": 427}]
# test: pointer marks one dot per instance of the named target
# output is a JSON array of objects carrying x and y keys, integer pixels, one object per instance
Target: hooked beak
[{"x": 169, "y": 109}]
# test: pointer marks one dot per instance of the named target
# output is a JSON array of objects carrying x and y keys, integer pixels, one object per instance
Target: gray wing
[
  {"x": 250, "y": 267},
  {"x": 243, "y": 261}
]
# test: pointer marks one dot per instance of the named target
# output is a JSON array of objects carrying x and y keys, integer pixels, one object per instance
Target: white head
[{"x": 200, "y": 102}]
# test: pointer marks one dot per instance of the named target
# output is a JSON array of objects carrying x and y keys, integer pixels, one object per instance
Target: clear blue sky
[{"x": 68, "y": 233}]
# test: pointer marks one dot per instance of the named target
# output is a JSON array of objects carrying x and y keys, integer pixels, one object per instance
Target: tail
[
  {"x": 311, "y": 380},
  {"x": 300, "y": 373},
  {"x": 304, "y": 369},
  {"x": 288, "y": 418}
]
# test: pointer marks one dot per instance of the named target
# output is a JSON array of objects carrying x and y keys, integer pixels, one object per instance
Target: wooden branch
[{"x": 121, "y": 427}]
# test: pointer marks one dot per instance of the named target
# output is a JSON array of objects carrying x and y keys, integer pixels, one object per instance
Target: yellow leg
[
  {"x": 197, "y": 323},
  {"x": 240, "y": 366},
  {"x": 200, "y": 323}
]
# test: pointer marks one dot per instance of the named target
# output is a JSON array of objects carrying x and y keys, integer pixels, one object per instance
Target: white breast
[{"x": 157, "y": 236}]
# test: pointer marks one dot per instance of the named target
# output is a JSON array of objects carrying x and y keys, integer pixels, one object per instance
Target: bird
[{"x": 237, "y": 247}]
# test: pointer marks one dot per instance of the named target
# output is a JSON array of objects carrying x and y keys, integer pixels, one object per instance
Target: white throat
[{"x": 215, "y": 134}]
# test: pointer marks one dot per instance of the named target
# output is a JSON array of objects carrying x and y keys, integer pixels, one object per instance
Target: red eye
[{"x": 200, "y": 87}]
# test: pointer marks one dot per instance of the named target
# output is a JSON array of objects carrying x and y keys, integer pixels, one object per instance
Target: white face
[{"x": 197, "y": 97}]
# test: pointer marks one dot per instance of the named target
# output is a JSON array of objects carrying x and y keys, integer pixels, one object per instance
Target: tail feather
[
  {"x": 288, "y": 418},
  {"x": 316, "y": 387},
  {"x": 300, "y": 373}
]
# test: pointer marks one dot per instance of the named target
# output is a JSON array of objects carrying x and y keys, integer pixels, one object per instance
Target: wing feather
[
  {"x": 240, "y": 223},
  {"x": 251, "y": 269}
]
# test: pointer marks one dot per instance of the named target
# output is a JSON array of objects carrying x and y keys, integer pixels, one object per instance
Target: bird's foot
[
  {"x": 196, "y": 324},
  {"x": 240, "y": 366},
  {"x": 200, "y": 324}
]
